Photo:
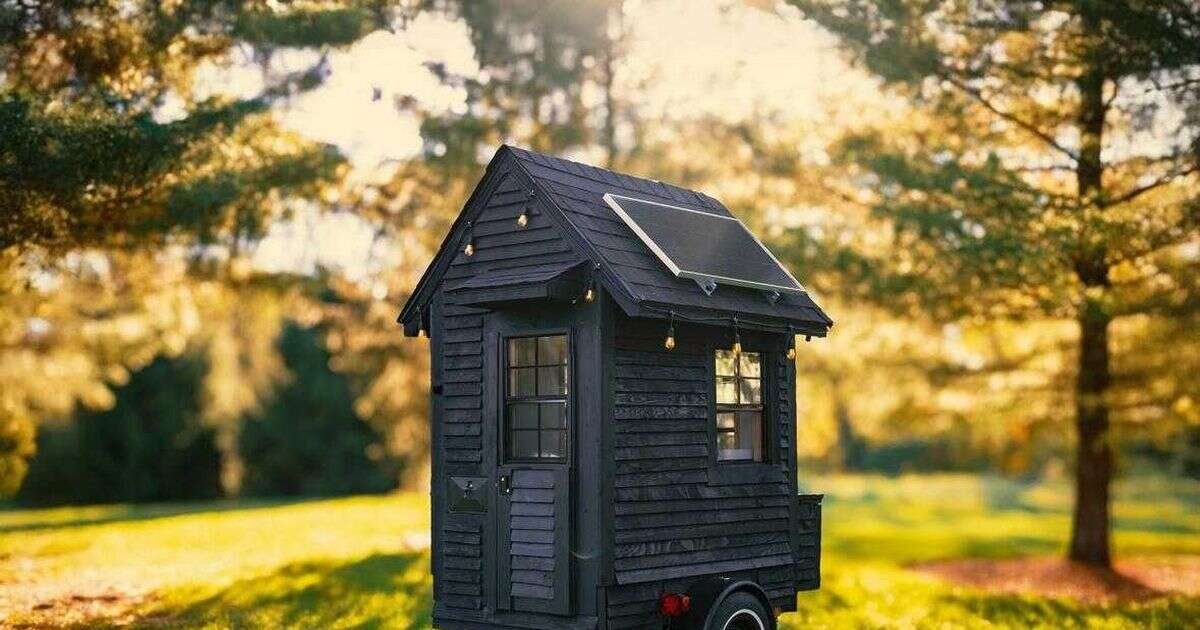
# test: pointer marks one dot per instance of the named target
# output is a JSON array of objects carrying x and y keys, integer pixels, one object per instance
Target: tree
[
  {"x": 1044, "y": 169},
  {"x": 115, "y": 171},
  {"x": 150, "y": 446},
  {"x": 308, "y": 440}
]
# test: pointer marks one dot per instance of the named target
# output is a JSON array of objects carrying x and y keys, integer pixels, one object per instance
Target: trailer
[{"x": 613, "y": 408}]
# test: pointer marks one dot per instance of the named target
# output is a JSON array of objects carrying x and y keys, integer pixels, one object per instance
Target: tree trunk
[{"x": 1094, "y": 459}]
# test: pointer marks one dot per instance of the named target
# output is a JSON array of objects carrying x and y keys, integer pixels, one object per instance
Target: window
[
  {"x": 535, "y": 403},
  {"x": 740, "y": 432}
]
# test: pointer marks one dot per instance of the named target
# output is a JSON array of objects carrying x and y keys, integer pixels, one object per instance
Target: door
[{"x": 534, "y": 433}]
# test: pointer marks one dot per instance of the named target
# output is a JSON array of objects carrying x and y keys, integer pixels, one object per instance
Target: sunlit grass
[{"x": 361, "y": 562}]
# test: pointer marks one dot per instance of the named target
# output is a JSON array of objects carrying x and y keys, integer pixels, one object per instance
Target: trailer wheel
[{"x": 741, "y": 611}]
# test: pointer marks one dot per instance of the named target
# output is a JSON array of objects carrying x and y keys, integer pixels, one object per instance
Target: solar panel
[{"x": 708, "y": 248}]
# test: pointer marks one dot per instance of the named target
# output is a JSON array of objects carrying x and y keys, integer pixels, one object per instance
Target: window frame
[
  {"x": 507, "y": 399},
  {"x": 764, "y": 407}
]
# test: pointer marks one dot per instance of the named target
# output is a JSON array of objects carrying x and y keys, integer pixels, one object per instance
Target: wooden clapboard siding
[
  {"x": 678, "y": 516},
  {"x": 460, "y": 558}
]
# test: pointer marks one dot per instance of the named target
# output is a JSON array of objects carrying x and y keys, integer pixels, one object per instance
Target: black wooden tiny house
[{"x": 581, "y": 469}]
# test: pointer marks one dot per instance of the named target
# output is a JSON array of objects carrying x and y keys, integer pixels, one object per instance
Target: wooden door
[
  {"x": 534, "y": 533},
  {"x": 533, "y": 429}
]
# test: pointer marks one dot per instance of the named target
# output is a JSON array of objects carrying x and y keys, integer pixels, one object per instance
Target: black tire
[{"x": 741, "y": 611}]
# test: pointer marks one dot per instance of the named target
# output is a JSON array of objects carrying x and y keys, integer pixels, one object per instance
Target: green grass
[{"x": 361, "y": 562}]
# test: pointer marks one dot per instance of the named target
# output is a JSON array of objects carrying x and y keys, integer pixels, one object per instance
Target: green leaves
[{"x": 303, "y": 27}]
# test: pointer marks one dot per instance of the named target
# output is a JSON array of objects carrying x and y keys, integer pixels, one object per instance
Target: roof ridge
[{"x": 702, "y": 199}]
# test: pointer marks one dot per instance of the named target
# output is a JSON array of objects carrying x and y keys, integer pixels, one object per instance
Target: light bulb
[
  {"x": 469, "y": 249},
  {"x": 523, "y": 220},
  {"x": 791, "y": 355},
  {"x": 590, "y": 295},
  {"x": 737, "y": 347},
  {"x": 669, "y": 344}
]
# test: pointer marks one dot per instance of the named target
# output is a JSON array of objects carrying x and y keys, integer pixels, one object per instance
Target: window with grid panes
[
  {"x": 535, "y": 408},
  {"x": 740, "y": 432}
]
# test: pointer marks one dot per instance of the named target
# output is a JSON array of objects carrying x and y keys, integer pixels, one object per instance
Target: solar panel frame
[{"x": 701, "y": 277}]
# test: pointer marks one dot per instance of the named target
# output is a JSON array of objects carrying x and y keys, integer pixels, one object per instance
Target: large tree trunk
[{"x": 1094, "y": 460}]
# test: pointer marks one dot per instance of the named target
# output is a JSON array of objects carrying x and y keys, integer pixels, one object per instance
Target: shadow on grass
[
  {"x": 133, "y": 513},
  {"x": 1022, "y": 611},
  {"x": 381, "y": 590}
]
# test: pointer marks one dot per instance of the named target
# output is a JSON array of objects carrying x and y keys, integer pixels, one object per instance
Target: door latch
[{"x": 505, "y": 484}]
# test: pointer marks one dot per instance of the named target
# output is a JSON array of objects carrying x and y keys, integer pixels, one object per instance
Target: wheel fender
[{"x": 706, "y": 595}]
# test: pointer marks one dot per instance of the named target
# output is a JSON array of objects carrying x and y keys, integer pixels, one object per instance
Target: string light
[
  {"x": 523, "y": 218},
  {"x": 737, "y": 339},
  {"x": 669, "y": 343},
  {"x": 469, "y": 250},
  {"x": 791, "y": 353}
]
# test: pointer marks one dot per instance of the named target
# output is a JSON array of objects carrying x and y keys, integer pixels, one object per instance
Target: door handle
[{"x": 505, "y": 484}]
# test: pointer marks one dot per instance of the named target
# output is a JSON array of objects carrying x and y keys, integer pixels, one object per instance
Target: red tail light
[{"x": 673, "y": 604}]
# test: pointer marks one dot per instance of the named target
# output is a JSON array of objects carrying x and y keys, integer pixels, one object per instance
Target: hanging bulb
[
  {"x": 523, "y": 219},
  {"x": 469, "y": 249},
  {"x": 791, "y": 353},
  {"x": 737, "y": 339},
  {"x": 669, "y": 343},
  {"x": 589, "y": 295}
]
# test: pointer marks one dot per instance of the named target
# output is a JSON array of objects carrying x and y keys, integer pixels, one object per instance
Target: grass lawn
[{"x": 362, "y": 562}]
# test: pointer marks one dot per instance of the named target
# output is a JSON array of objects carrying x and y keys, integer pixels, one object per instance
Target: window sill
[{"x": 730, "y": 473}]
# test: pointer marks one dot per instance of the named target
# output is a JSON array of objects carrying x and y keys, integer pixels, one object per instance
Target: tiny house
[{"x": 613, "y": 408}]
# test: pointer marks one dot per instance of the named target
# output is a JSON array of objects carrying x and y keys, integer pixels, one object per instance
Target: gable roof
[{"x": 573, "y": 195}]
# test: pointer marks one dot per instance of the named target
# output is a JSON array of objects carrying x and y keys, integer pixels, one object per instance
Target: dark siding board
[
  {"x": 462, "y": 429},
  {"x": 454, "y": 562},
  {"x": 659, "y": 413},
  {"x": 658, "y": 478},
  {"x": 696, "y": 491},
  {"x": 649, "y": 521},
  {"x": 659, "y": 452},
  {"x": 529, "y": 562},
  {"x": 719, "y": 554},
  {"x": 705, "y": 568},
  {"x": 529, "y": 590},
  {"x": 462, "y": 402},
  {"x": 641, "y": 466},
  {"x": 461, "y": 415},
  {"x": 532, "y": 509},
  {"x": 685, "y": 545},
  {"x": 660, "y": 426},
  {"x": 668, "y": 507}
]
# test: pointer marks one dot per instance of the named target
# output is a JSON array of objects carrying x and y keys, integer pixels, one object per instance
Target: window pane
[
  {"x": 750, "y": 437},
  {"x": 751, "y": 364},
  {"x": 727, "y": 390},
  {"x": 553, "y": 415},
  {"x": 522, "y": 351},
  {"x": 552, "y": 350},
  {"x": 724, "y": 363},
  {"x": 725, "y": 420},
  {"x": 552, "y": 381},
  {"x": 523, "y": 444},
  {"x": 745, "y": 442},
  {"x": 523, "y": 416},
  {"x": 554, "y": 443},
  {"x": 751, "y": 391},
  {"x": 522, "y": 381}
]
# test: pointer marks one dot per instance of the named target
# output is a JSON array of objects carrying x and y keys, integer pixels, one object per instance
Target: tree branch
[
  {"x": 1027, "y": 126},
  {"x": 1134, "y": 193}
]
